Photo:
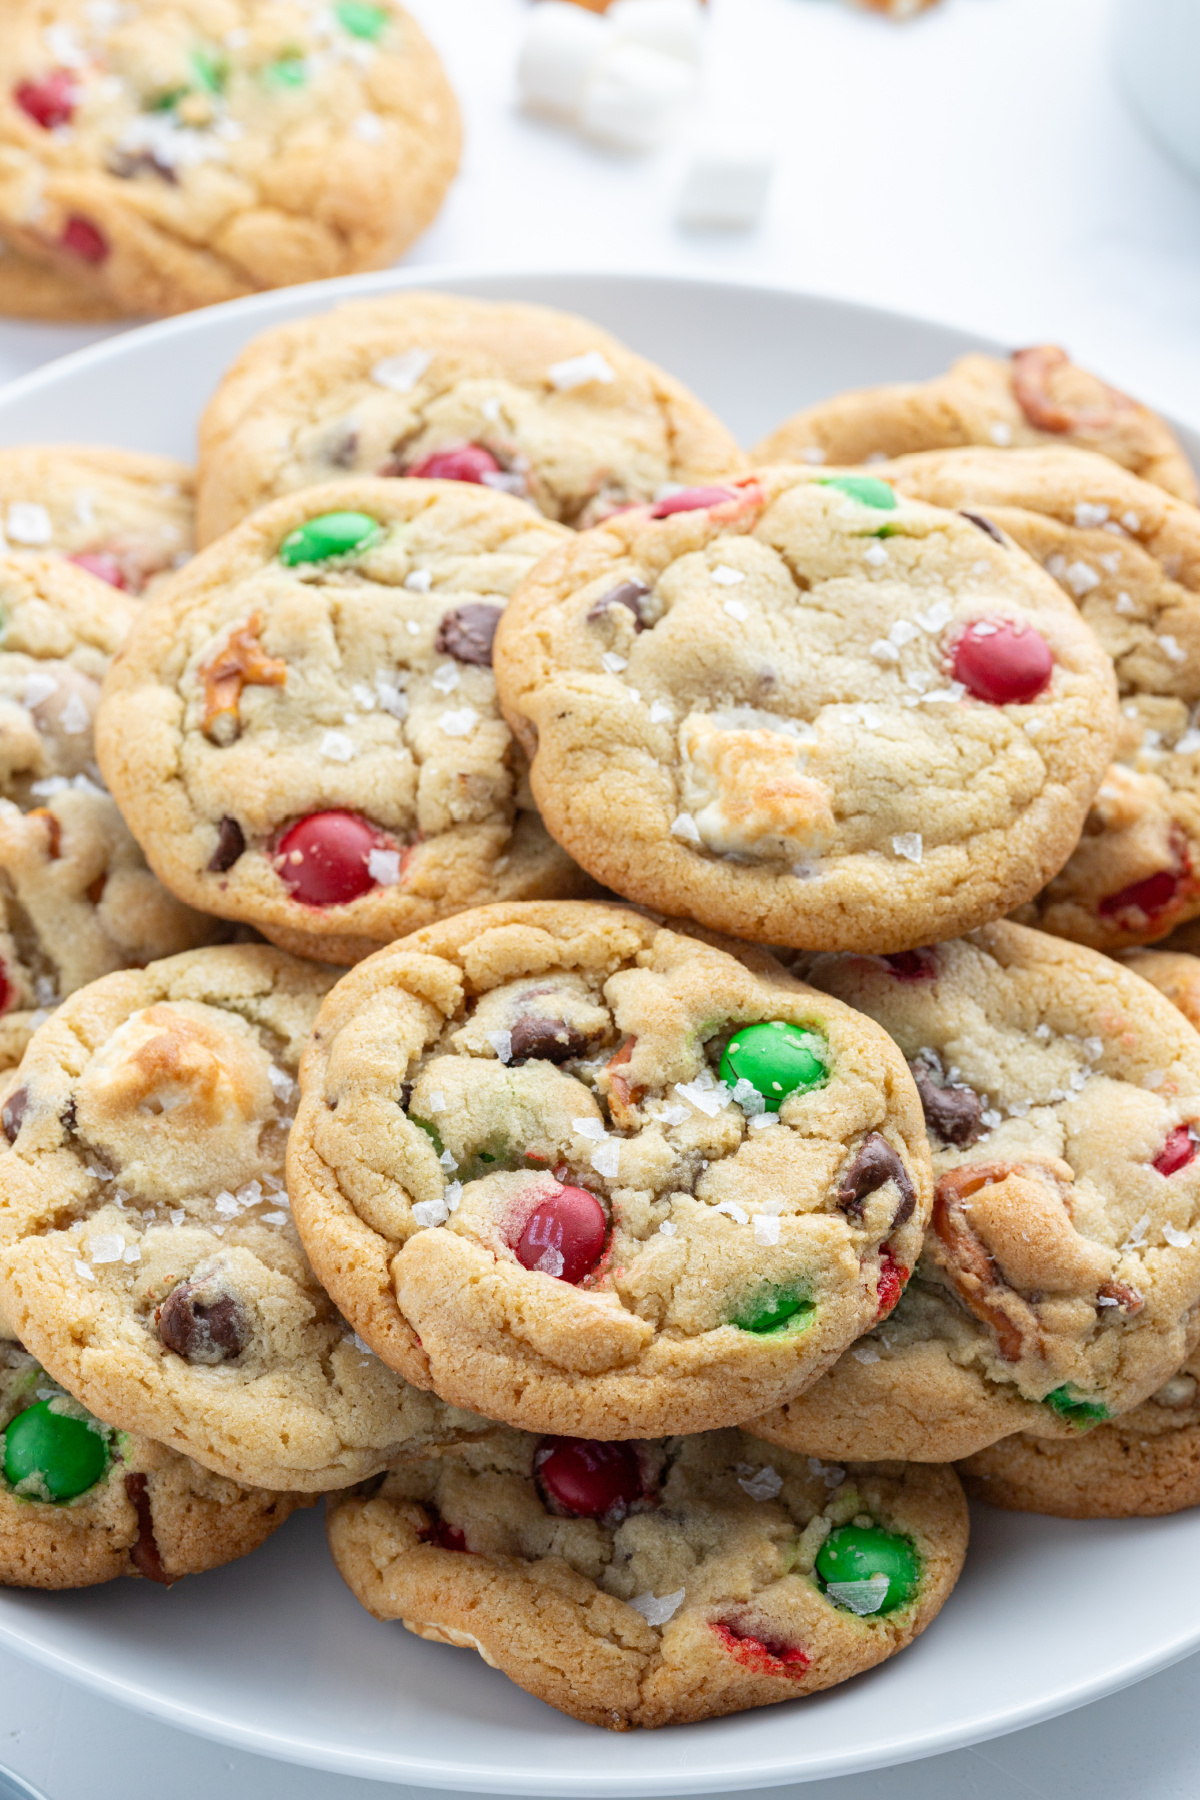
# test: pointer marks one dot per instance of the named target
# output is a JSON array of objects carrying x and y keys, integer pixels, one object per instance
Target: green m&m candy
[
  {"x": 361, "y": 19},
  {"x": 211, "y": 70},
  {"x": 774, "y": 1311},
  {"x": 1075, "y": 1409},
  {"x": 866, "y": 489},
  {"x": 286, "y": 72},
  {"x": 56, "y": 1454},
  {"x": 776, "y": 1059},
  {"x": 330, "y": 534},
  {"x": 855, "y": 1554}
]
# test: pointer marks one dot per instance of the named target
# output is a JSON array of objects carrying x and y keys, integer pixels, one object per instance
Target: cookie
[
  {"x": 1129, "y": 556},
  {"x": 187, "y": 151},
  {"x": 304, "y": 733},
  {"x": 518, "y": 398},
  {"x": 123, "y": 516},
  {"x": 807, "y": 711},
  {"x": 633, "y": 1186},
  {"x": 76, "y": 897},
  {"x": 30, "y": 291},
  {"x": 1140, "y": 1466},
  {"x": 660, "y": 1582},
  {"x": 1174, "y": 973},
  {"x": 1060, "y": 1275},
  {"x": 81, "y": 1503},
  {"x": 1035, "y": 397},
  {"x": 147, "y": 1256}
]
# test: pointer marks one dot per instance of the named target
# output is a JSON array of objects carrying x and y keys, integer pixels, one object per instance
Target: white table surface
[{"x": 978, "y": 166}]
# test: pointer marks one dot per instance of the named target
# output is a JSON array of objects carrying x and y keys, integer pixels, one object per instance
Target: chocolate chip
[
  {"x": 199, "y": 1328},
  {"x": 66, "y": 1117},
  {"x": 549, "y": 1040},
  {"x": 129, "y": 164},
  {"x": 952, "y": 1112},
  {"x": 466, "y": 634},
  {"x": 145, "y": 1554},
  {"x": 631, "y": 594},
  {"x": 341, "y": 455},
  {"x": 230, "y": 844},
  {"x": 985, "y": 525},
  {"x": 875, "y": 1164},
  {"x": 12, "y": 1112}
]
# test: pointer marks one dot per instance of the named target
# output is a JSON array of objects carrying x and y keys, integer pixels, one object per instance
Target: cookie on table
[
  {"x": 124, "y": 516},
  {"x": 81, "y": 1503},
  {"x": 28, "y": 290},
  {"x": 76, "y": 897},
  {"x": 659, "y": 1582},
  {"x": 631, "y": 1187},
  {"x": 188, "y": 151},
  {"x": 304, "y": 735},
  {"x": 523, "y": 399},
  {"x": 1129, "y": 556},
  {"x": 147, "y": 1255},
  {"x": 1060, "y": 1274},
  {"x": 1142, "y": 1465},
  {"x": 1035, "y": 397},
  {"x": 807, "y": 711}
]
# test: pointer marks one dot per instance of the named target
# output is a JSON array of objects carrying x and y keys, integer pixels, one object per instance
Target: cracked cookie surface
[
  {"x": 659, "y": 1582},
  {"x": 188, "y": 151},
  {"x": 304, "y": 732},
  {"x": 147, "y": 1255},
  {"x": 807, "y": 711},
  {"x": 521, "y": 398},
  {"x": 1035, "y": 397},
  {"x": 601, "y": 1177},
  {"x": 122, "y": 1505},
  {"x": 76, "y": 897},
  {"x": 123, "y": 516},
  {"x": 1060, "y": 1275}
]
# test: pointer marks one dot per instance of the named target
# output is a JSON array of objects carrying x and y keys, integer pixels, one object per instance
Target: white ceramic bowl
[{"x": 272, "y": 1654}]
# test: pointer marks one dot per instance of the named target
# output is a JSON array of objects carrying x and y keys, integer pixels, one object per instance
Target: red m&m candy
[
  {"x": 103, "y": 565},
  {"x": 691, "y": 500},
  {"x": 912, "y": 965},
  {"x": 588, "y": 1480},
  {"x": 83, "y": 239},
  {"x": 324, "y": 859},
  {"x": 458, "y": 462},
  {"x": 565, "y": 1235},
  {"x": 49, "y": 101},
  {"x": 1003, "y": 663},
  {"x": 1178, "y": 1151},
  {"x": 1151, "y": 895}
]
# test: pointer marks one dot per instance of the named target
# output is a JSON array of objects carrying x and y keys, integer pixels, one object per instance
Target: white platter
[{"x": 272, "y": 1654}]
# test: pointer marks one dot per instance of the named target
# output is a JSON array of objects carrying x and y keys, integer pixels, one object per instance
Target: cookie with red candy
[
  {"x": 303, "y": 733},
  {"x": 1060, "y": 1274},
  {"x": 521, "y": 399},
  {"x": 659, "y": 1582},
  {"x": 588, "y": 1175},
  {"x": 805, "y": 710},
  {"x": 123, "y": 516},
  {"x": 1036, "y": 397},
  {"x": 29, "y": 290}
]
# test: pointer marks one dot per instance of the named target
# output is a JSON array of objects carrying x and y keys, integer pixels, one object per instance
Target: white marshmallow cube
[
  {"x": 562, "y": 44},
  {"x": 632, "y": 96},
  {"x": 726, "y": 182},
  {"x": 675, "y": 27}
]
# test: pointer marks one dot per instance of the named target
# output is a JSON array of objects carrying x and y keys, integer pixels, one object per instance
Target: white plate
[{"x": 272, "y": 1654}]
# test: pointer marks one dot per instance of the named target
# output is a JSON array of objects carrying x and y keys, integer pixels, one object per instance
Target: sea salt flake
[
  {"x": 383, "y": 866},
  {"x": 766, "y": 1229},
  {"x": 1081, "y": 578},
  {"x": 39, "y": 687},
  {"x": 724, "y": 576},
  {"x": 1131, "y": 521},
  {"x": 501, "y": 1042},
  {"x": 614, "y": 663},
  {"x": 282, "y": 1085},
  {"x": 710, "y": 1101},
  {"x": 866, "y": 1354},
  {"x": 448, "y": 1161},
  {"x": 1178, "y": 1240},
  {"x": 909, "y": 845},
  {"x": 861, "y": 1597},
  {"x": 990, "y": 1118},
  {"x": 1088, "y": 516},
  {"x": 429, "y": 1213},
  {"x": 369, "y": 127},
  {"x": 106, "y": 1247},
  {"x": 445, "y": 679},
  {"x": 338, "y": 747},
  {"x": 1188, "y": 744},
  {"x": 362, "y": 1346},
  {"x": 684, "y": 826},
  {"x": 606, "y": 1159},
  {"x": 1172, "y": 649},
  {"x": 764, "y": 1121},
  {"x": 812, "y": 453},
  {"x": 1138, "y": 1235},
  {"x": 226, "y": 1204},
  {"x": 662, "y": 715},
  {"x": 936, "y": 618},
  {"x": 452, "y": 1195},
  {"x": 1093, "y": 1048},
  {"x": 177, "y": 1215},
  {"x": 418, "y": 581},
  {"x": 655, "y": 1610},
  {"x": 1111, "y": 563},
  {"x": 764, "y": 1485},
  {"x": 668, "y": 1228},
  {"x": 1125, "y": 604},
  {"x": 1000, "y": 434},
  {"x": 577, "y": 371},
  {"x": 74, "y": 718},
  {"x": 884, "y": 652},
  {"x": 391, "y": 698},
  {"x": 132, "y": 1254},
  {"x": 737, "y": 611},
  {"x": 737, "y": 1213},
  {"x": 590, "y": 1128},
  {"x": 675, "y": 1115},
  {"x": 876, "y": 555},
  {"x": 459, "y": 724},
  {"x": 83, "y": 1272},
  {"x": 437, "y": 1101},
  {"x": 1154, "y": 1078},
  {"x": 747, "y": 1096}
]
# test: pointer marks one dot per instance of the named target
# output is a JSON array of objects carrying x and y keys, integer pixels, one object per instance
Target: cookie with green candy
[
  {"x": 304, "y": 733},
  {"x": 81, "y": 1503},
  {"x": 1060, "y": 1272},
  {"x": 656, "y": 1582},
  {"x": 599, "y": 1176}
]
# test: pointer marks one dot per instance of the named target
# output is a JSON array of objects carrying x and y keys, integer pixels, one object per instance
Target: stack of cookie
[
  {"x": 682, "y": 1105},
  {"x": 158, "y": 155}
]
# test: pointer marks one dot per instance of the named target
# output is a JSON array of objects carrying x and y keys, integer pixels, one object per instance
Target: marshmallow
[
  {"x": 632, "y": 95},
  {"x": 674, "y": 27},
  {"x": 726, "y": 182},
  {"x": 562, "y": 44}
]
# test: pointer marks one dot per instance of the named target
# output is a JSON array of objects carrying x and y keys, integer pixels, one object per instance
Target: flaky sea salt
[
  {"x": 737, "y": 1213},
  {"x": 460, "y": 723},
  {"x": 861, "y": 1597},
  {"x": 614, "y": 663},
  {"x": 660, "y": 714},
  {"x": 501, "y": 1042},
  {"x": 338, "y": 747},
  {"x": 26, "y": 522},
  {"x": 1089, "y": 516},
  {"x": 684, "y": 826},
  {"x": 655, "y": 1610},
  {"x": 737, "y": 611},
  {"x": 83, "y": 1272},
  {"x": 1138, "y": 1235},
  {"x": 1172, "y": 649},
  {"x": 106, "y": 1247},
  {"x": 445, "y": 679},
  {"x": 866, "y": 1354},
  {"x": 668, "y": 1228},
  {"x": 724, "y": 576},
  {"x": 437, "y": 1101},
  {"x": 418, "y": 581},
  {"x": 1178, "y": 1240},
  {"x": 766, "y": 1229},
  {"x": 709, "y": 1100},
  {"x": 429, "y": 1213},
  {"x": 764, "y": 1484},
  {"x": 909, "y": 845},
  {"x": 577, "y": 371},
  {"x": 75, "y": 718},
  {"x": 875, "y": 555},
  {"x": 606, "y": 1158},
  {"x": 383, "y": 866},
  {"x": 452, "y": 1195},
  {"x": 402, "y": 373}
]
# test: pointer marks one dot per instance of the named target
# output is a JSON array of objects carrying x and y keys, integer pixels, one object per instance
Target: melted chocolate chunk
[
  {"x": 875, "y": 1164},
  {"x": 129, "y": 164},
  {"x": 952, "y": 1112},
  {"x": 199, "y": 1328},
  {"x": 985, "y": 525},
  {"x": 631, "y": 594},
  {"x": 466, "y": 634},
  {"x": 145, "y": 1555},
  {"x": 230, "y": 844},
  {"x": 13, "y": 1112},
  {"x": 549, "y": 1040},
  {"x": 66, "y": 1117}
]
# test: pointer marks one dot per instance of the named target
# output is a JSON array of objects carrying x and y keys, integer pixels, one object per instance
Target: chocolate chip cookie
[
  {"x": 806, "y": 710},
  {"x": 121, "y": 515},
  {"x": 1035, "y": 397},
  {"x": 188, "y": 151},
  {"x": 1059, "y": 1281},
  {"x": 81, "y": 1503},
  {"x": 518, "y": 398},
  {"x": 655, "y": 1583},
  {"x": 147, "y": 1254},
  {"x": 598, "y": 1176}
]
